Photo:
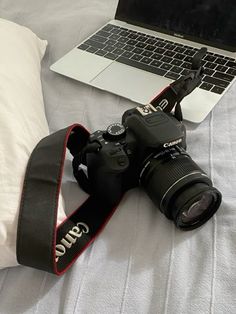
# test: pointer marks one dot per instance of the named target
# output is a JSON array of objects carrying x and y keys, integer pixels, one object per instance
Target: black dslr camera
[{"x": 148, "y": 149}]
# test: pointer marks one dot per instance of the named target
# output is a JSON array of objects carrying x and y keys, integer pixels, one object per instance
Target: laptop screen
[{"x": 211, "y": 22}]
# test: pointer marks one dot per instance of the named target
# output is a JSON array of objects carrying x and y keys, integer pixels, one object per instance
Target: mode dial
[{"x": 115, "y": 131}]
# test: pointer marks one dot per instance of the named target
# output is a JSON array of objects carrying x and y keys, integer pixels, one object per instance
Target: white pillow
[{"x": 22, "y": 125}]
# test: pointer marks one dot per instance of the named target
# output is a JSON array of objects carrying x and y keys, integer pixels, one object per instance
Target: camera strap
[
  {"x": 41, "y": 243},
  {"x": 172, "y": 95}
]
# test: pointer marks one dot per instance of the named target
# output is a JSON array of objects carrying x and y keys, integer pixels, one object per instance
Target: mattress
[{"x": 140, "y": 263}]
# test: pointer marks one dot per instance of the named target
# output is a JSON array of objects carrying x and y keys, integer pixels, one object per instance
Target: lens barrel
[{"x": 180, "y": 188}]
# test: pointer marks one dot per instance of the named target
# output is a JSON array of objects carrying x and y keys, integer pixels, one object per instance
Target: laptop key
[
  {"x": 146, "y": 60},
  {"x": 189, "y": 52},
  {"x": 185, "y": 72},
  {"x": 111, "y": 56},
  {"x": 115, "y": 31},
  {"x": 229, "y": 59},
  {"x": 136, "y": 57},
  {"x": 159, "y": 50},
  {"x": 108, "y": 27},
  {"x": 101, "y": 52},
  {"x": 180, "y": 49},
  {"x": 215, "y": 81},
  {"x": 206, "y": 86},
  {"x": 176, "y": 62},
  {"x": 176, "y": 69},
  {"x": 141, "y": 45},
  {"x": 114, "y": 37},
  {"x": 179, "y": 56},
  {"x": 160, "y": 43},
  {"x": 188, "y": 59},
  {"x": 223, "y": 76},
  {"x": 217, "y": 55},
  {"x": 151, "y": 41},
  {"x": 132, "y": 42},
  {"x": 92, "y": 49},
  {"x": 221, "y": 68},
  {"x": 166, "y": 59},
  {"x": 208, "y": 71},
  {"x": 173, "y": 76},
  {"x": 210, "y": 58},
  {"x": 94, "y": 44},
  {"x": 220, "y": 61},
  {"x": 110, "y": 42},
  {"x": 217, "y": 90},
  {"x": 186, "y": 65},
  {"x": 156, "y": 56},
  {"x": 138, "y": 50},
  {"x": 210, "y": 65},
  {"x": 166, "y": 66},
  {"x": 231, "y": 71},
  {"x": 141, "y": 66},
  {"x": 156, "y": 63},
  {"x": 83, "y": 46},
  {"x": 170, "y": 46},
  {"x": 150, "y": 47},
  {"x": 169, "y": 53},
  {"x": 133, "y": 36},
  {"x": 122, "y": 40},
  {"x": 100, "y": 39},
  {"x": 128, "y": 54},
  {"x": 119, "y": 45},
  {"x": 142, "y": 38},
  {"x": 109, "y": 48},
  {"x": 128, "y": 48},
  {"x": 124, "y": 33},
  {"x": 118, "y": 51},
  {"x": 231, "y": 64},
  {"x": 147, "y": 53},
  {"x": 103, "y": 33}
]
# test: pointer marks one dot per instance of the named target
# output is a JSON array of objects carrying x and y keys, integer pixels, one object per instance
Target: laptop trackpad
[{"x": 137, "y": 85}]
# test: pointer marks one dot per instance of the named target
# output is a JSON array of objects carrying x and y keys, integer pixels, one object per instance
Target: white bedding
[{"x": 140, "y": 263}]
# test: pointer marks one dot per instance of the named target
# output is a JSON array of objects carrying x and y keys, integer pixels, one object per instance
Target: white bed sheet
[{"x": 140, "y": 263}]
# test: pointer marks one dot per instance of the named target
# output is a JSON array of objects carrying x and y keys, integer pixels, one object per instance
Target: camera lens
[
  {"x": 195, "y": 204},
  {"x": 180, "y": 188},
  {"x": 195, "y": 210}
]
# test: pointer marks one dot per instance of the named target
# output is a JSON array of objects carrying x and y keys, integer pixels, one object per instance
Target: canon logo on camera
[
  {"x": 70, "y": 238},
  {"x": 172, "y": 143}
]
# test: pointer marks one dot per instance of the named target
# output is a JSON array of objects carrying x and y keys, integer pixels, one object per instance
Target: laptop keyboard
[{"x": 159, "y": 56}]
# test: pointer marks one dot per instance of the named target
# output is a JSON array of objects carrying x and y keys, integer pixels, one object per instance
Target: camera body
[
  {"x": 123, "y": 149},
  {"x": 148, "y": 149}
]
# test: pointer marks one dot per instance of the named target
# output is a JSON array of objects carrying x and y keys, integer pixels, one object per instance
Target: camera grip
[
  {"x": 105, "y": 173},
  {"x": 106, "y": 186}
]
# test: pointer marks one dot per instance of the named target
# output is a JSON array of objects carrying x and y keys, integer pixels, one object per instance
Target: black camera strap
[
  {"x": 172, "y": 95},
  {"x": 40, "y": 242}
]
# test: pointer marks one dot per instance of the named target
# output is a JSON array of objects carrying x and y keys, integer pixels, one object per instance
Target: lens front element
[
  {"x": 197, "y": 209},
  {"x": 195, "y": 205}
]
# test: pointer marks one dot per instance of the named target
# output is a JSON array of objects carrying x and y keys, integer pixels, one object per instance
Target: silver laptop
[{"x": 150, "y": 43}]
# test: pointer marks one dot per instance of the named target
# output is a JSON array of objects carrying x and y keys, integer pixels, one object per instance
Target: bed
[{"x": 140, "y": 263}]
